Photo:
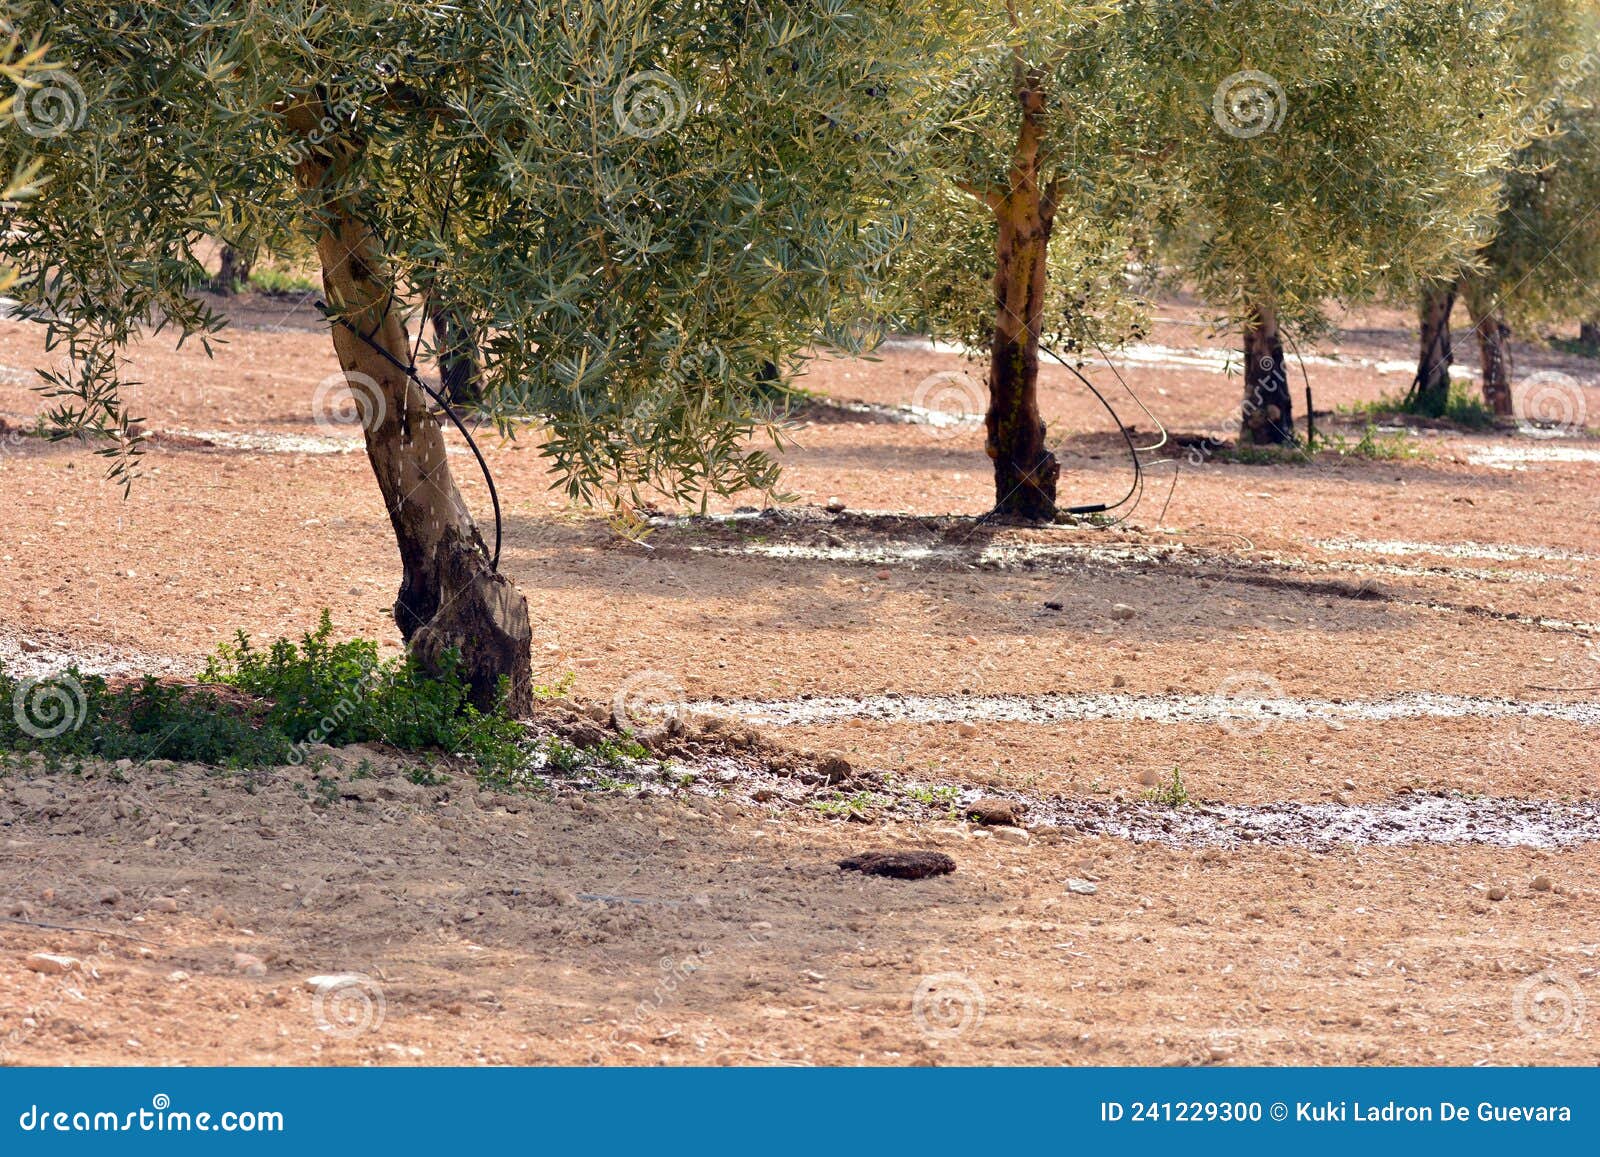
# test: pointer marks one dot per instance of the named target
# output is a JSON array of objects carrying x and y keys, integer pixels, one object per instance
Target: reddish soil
[{"x": 599, "y": 926}]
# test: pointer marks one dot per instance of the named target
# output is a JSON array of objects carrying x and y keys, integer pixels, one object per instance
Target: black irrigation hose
[
  {"x": 1133, "y": 451},
  {"x": 411, "y": 372}
]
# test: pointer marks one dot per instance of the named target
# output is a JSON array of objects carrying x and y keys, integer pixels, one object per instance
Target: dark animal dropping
[{"x": 900, "y": 865}]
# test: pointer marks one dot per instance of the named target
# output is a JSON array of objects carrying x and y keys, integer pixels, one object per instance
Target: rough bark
[
  {"x": 450, "y": 598},
  {"x": 1025, "y": 470},
  {"x": 233, "y": 272},
  {"x": 1267, "y": 416},
  {"x": 1494, "y": 354},
  {"x": 460, "y": 372},
  {"x": 1430, "y": 390}
]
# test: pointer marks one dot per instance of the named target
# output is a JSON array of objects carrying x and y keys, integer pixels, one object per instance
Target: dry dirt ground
[{"x": 1322, "y": 652}]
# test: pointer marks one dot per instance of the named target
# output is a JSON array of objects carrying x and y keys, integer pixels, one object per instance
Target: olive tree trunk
[
  {"x": 233, "y": 272},
  {"x": 450, "y": 599},
  {"x": 1430, "y": 390},
  {"x": 1267, "y": 416},
  {"x": 1025, "y": 470},
  {"x": 1494, "y": 352},
  {"x": 460, "y": 371}
]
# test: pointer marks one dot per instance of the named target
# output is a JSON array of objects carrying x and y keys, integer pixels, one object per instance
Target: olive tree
[
  {"x": 1544, "y": 262},
  {"x": 636, "y": 208},
  {"x": 1286, "y": 153},
  {"x": 1345, "y": 148},
  {"x": 1029, "y": 212},
  {"x": 1543, "y": 259}
]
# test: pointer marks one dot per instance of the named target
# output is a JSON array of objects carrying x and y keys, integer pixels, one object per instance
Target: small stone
[
  {"x": 1012, "y": 835},
  {"x": 834, "y": 506},
  {"x": 1497, "y": 893},
  {"x": 1542, "y": 884},
  {"x": 177, "y": 976},
  {"x": 107, "y": 896},
  {"x": 163, "y": 904},
  {"x": 1082, "y": 887},
  {"x": 1149, "y": 777},
  {"x": 883, "y": 576},
  {"x": 249, "y": 965},
  {"x": 219, "y": 915},
  {"x": 996, "y": 812},
  {"x": 1122, "y": 612},
  {"x": 1349, "y": 785},
  {"x": 1118, "y": 681},
  {"x": 966, "y": 730},
  {"x": 51, "y": 964}
]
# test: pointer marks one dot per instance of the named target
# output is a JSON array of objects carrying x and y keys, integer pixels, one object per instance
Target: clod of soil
[
  {"x": 995, "y": 812},
  {"x": 900, "y": 865}
]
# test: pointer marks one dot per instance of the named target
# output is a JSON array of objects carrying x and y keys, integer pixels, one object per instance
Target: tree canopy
[{"x": 638, "y": 205}]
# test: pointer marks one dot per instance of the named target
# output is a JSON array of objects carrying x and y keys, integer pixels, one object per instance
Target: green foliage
[
  {"x": 1330, "y": 148},
  {"x": 282, "y": 282},
  {"x": 1544, "y": 261},
  {"x": 140, "y": 721},
  {"x": 641, "y": 204},
  {"x": 293, "y": 696},
  {"x": 320, "y": 691},
  {"x": 1464, "y": 408},
  {"x": 1173, "y": 793}
]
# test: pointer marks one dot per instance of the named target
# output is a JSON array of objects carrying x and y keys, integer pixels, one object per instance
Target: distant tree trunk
[
  {"x": 1589, "y": 334},
  {"x": 1025, "y": 471},
  {"x": 1494, "y": 349},
  {"x": 1430, "y": 391},
  {"x": 233, "y": 272},
  {"x": 450, "y": 598},
  {"x": 1267, "y": 418},
  {"x": 460, "y": 371}
]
